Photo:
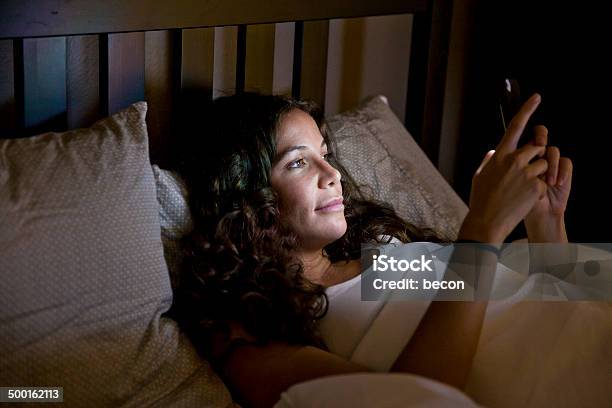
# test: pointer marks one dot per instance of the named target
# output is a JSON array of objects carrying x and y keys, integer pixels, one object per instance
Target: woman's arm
[
  {"x": 504, "y": 189},
  {"x": 444, "y": 344},
  {"x": 257, "y": 375},
  {"x": 546, "y": 230},
  {"x": 442, "y": 348},
  {"x": 551, "y": 244}
]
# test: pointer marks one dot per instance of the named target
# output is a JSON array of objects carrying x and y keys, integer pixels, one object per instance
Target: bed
[{"x": 89, "y": 226}]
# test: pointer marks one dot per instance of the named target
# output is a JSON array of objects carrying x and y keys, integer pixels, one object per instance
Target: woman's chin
[
  {"x": 318, "y": 236},
  {"x": 335, "y": 234},
  {"x": 324, "y": 238}
]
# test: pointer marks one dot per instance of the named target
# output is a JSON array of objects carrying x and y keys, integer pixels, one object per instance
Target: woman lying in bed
[{"x": 278, "y": 220}]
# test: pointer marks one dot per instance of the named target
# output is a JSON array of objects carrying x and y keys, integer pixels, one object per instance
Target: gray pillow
[
  {"x": 84, "y": 282},
  {"x": 383, "y": 157}
]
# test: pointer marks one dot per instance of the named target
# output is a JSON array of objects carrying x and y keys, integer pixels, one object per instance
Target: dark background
[{"x": 560, "y": 51}]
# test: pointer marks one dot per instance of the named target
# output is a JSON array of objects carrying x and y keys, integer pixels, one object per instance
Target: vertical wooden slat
[
  {"x": 298, "y": 42},
  {"x": 241, "y": 58},
  {"x": 159, "y": 91},
  {"x": 177, "y": 67},
  {"x": 7, "y": 90},
  {"x": 83, "y": 92},
  {"x": 197, "y": 59},
  {"x": 352, "y": 67},
  {"x": 103, "y": 74},
  {"x": 18, "y": 81},
  {"x": 259, "y": 70},
  {"x": 283, "y": 58},
  {"x": 427, "y": 75},
  {"x": 40, "y": 86},
  {"x": 193, "y": 71},
  {"x": 122, "y": 61},
  {"x": 225, "y": 60},
  {"x": 314, "y": 61}
]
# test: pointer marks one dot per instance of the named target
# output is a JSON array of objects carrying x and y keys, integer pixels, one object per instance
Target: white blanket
[
  {"x": 531, "y": 353},
  {"x": 367, "y": 390}
]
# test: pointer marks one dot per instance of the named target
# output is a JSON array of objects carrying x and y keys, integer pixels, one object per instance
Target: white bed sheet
[{"x": 531, "y": 353}]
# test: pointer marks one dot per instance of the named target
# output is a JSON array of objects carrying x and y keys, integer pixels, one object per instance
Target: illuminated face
[{"x": 308, "y": 186}]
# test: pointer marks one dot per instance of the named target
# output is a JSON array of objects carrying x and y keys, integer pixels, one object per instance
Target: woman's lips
[{"x": 337, "y": 205}]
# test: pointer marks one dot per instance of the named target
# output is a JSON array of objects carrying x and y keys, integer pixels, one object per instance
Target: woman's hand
[
  {"x": 545, "y": 221},
  {"x": 506, "y": 186}
]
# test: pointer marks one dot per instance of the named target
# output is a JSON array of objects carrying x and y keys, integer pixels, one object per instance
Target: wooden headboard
[{"x": 70, "y": 63}]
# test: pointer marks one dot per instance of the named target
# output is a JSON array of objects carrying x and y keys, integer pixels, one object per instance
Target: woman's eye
[
  {"x": 297, "y": 163},
  {"x": 328, "y": 156}
]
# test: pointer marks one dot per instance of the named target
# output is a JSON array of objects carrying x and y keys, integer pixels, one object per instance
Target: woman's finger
[
  {"x": 528, "y": 152},
  {"x": 517, "y": 125},
  {"x": 552, "y": 155},
  {"x": 540, "y": 137},
  {"x": 565, "y": 171},
  {"x": 536, "y": 168}
]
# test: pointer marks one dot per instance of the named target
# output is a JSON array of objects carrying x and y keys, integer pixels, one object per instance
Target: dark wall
[{"x": 560, "y": 52}]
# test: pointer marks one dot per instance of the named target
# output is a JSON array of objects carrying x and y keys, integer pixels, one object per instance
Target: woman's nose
[{"x": 329, "y": 174}]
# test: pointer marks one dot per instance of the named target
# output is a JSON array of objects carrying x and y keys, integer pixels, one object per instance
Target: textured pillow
[
  {"x": 174, "y": 217},
  {"x": 84, "y": 282},
  {"x": 381, "y": 155}
]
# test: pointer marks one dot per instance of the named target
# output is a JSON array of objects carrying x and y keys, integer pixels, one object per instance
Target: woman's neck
[
  {"x": 316, "y": 265},
  {"x": 320, "y": 270}
]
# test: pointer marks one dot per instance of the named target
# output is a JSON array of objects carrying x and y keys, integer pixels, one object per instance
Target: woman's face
[{"x": 308, "y": 186}]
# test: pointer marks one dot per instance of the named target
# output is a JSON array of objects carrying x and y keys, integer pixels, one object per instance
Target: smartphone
[{"x": 510, "y": 101}]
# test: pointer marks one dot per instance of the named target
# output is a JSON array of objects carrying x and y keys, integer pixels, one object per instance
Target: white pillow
[{"x": 84, "y": 282}]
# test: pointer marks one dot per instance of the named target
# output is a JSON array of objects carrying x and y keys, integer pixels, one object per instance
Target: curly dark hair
[{"x": 240, "y": 263}]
